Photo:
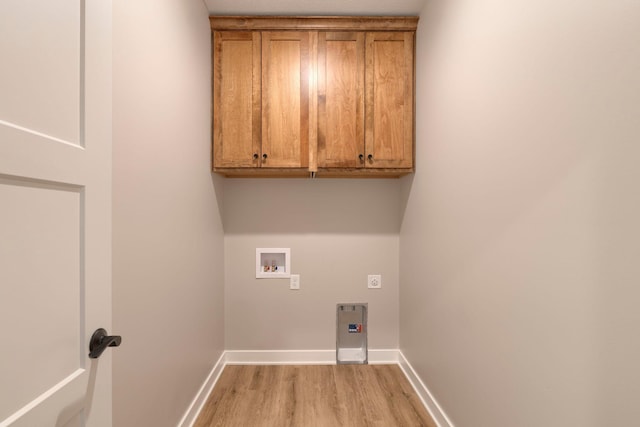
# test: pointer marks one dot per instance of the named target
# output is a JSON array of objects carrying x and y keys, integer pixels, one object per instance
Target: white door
[{"x": 55, "y": 211}]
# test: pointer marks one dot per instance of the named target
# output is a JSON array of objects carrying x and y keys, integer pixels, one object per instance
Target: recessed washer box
[
  {"x": 273, "y": 263},
  {"x": 351, "y": 334}
]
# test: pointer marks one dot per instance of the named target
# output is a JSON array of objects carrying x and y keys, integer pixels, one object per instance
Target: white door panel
[
  {"x": 40, "y": 80},
  {"x": 55, "y": 211},
  {"x": 40, "y": 273}
]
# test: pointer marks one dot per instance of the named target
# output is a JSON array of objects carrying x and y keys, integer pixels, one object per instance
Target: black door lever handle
[{"x": 100, "y": 341}]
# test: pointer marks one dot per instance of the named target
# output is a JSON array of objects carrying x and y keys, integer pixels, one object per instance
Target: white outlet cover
[
  {"x": 294, "y": 281},
  {"x": 374, "y": 281}
]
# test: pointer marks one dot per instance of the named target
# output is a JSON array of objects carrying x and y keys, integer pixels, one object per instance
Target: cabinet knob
[
  {"x": 361, "y": 157},
  {"x": 370, "y": 157},
  {"x": 255, "y": 156},
  {"x": 264, "y": 156}
]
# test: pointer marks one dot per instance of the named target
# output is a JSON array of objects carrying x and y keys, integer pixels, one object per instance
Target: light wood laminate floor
[{"x": 313, "y": 396}]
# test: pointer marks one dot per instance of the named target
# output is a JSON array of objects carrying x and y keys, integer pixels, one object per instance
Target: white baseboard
[
  {"x": 198, "y": 402},
  {"x": 309, "y": 357},
  {"x": 423, "y": 392},
  {"x": 300, "y": 357}
]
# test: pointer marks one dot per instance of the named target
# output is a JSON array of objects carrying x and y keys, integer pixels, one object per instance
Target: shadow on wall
[
  {"x": 406, "y": 184},
  {"x": 311, "y": 206},
  {"x": 217, "y": 182}
]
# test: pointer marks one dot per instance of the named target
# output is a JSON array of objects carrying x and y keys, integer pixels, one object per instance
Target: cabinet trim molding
[{"x": 324, "y": 23}]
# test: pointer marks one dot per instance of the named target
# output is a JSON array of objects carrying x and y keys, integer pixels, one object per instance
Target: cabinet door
[
  {"x": 236, "y": 99},
  {"x": 341, "y": 99},
  {"x": 389, "y": 100},
  {"x": 285, "y": 99}
]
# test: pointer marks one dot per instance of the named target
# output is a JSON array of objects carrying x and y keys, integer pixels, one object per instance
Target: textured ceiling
[{"x": 315, "y": 7}]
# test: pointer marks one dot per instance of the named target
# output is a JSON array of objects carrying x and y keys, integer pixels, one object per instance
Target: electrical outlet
[
  {"x": 294, "y": 281},
  {"x": 374, "y": 281}
]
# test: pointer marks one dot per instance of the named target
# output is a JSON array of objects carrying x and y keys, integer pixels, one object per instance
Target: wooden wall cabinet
[
  {"x": 258, "y": 125},
  {"x": 332, "y": 96},
  {"x": 285, "y": 99},
  {"x": 341, "y": 108},
  {"x": 237, "y": 82}
]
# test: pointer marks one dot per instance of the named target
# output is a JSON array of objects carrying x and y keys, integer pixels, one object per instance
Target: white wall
[
  {"x": 339, "y": 231},
  {"x": 519, "y": 242},
  {"x": 167, "y": 230}
]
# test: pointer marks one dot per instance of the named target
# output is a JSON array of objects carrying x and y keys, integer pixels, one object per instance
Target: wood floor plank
[{"x": 313, "y": 396}]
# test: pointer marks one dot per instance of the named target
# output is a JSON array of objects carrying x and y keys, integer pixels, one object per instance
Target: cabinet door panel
[
  {"x": 285, "y": 99},
  {"x": 389, "y": 100},
  {"x": 340, "y": 99},
  {"x": 236, "y": 99}
]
